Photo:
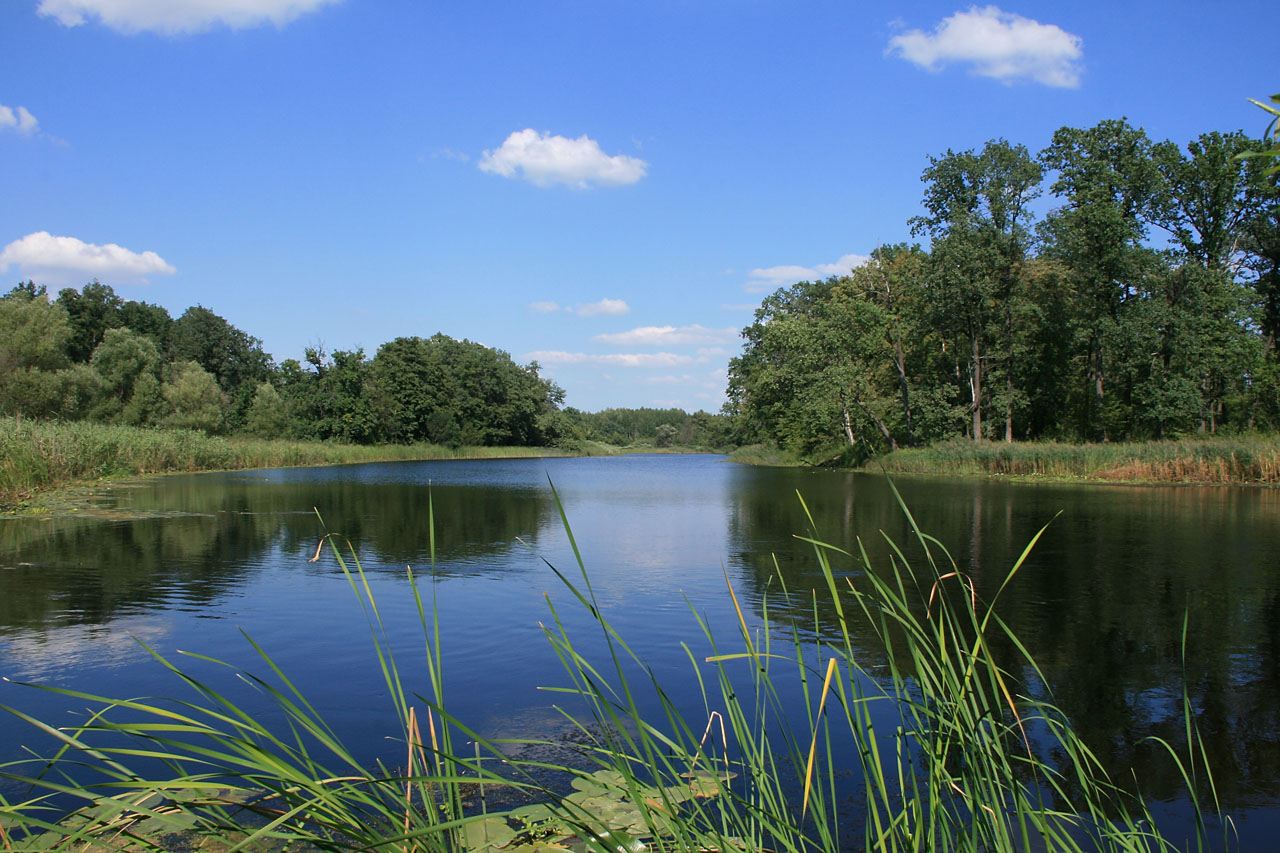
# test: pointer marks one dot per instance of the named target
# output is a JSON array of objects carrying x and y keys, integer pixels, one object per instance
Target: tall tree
[
  {"x": 977, "y": 212},
  {"x": 1109, "y": 181},
  {"x": 91, "y": 311},
  {"x": 234, "y": 358}
]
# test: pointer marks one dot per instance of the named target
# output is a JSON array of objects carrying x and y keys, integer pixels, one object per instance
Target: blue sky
[{"x": 606, "y": 187}]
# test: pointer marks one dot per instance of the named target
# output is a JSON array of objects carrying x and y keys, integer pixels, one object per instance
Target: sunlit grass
[
  {"x": 952, "y": 750},
  {"x": 1249, "y": 459},
  {"x": 37, "y": 456}
]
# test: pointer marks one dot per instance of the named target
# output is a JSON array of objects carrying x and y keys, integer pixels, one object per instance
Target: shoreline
[{"x": 1204, "y": 461}]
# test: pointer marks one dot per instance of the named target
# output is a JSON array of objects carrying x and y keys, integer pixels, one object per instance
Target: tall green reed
[{"x": 953, "y": 750}]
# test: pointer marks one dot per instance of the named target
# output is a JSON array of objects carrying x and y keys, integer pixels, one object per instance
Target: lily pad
[{"x": 490, "y": 833}]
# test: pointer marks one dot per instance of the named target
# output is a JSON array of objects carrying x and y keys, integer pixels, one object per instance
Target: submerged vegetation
[{"x": 951, "y": 743}]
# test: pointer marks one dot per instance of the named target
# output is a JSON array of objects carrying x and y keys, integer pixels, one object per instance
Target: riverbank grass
[
  {"x": 952, "y": 749},
  {"x": 1242, "y": 459},
  {"x": 37, "y": 457}
]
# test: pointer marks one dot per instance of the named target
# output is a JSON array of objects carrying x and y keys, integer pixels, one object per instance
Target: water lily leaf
[{"x": 491, "y": 833}]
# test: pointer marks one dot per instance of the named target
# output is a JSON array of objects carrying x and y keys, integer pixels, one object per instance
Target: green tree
[
  {"x": 33, "y": 336},
  {"x": 267, "y": 417},
  {"x": 236, "y": 359},
  {"x": 978, "y": 214},
  {"x": 194, "y": 398},
  {"x": 91, "y": 311},
  {"x": 1109, "y": 181},
  {"x": 33, "y": 331},
  {"x": 122, "y": 359},
  {"x": 447, "y": 391}
]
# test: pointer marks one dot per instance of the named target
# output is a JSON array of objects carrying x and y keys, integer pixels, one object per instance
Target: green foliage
[
  {"x": 638, "y": 427},
  {"x": 91, "y": 311},
  {"x": 459, "y": 392},
  {"x": 194, "y": 399},
  {"x": 267, "y": 417},
  {"x": 33, "y": 332},
  {"x": 127, "y": 361},
  {"x": 1078, "y": 327},
  {"x": 1271, "y": 156}
]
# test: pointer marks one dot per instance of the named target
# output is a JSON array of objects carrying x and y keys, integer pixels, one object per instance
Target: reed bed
[
  {"x": 38, "y": 456},
  {"x": 1246, "y": 459},
  {"x": 951, "y": 751}
]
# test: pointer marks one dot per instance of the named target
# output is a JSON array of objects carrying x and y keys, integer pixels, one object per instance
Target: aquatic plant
[
  {"x": 36, "y": 456},
  {"x": 953, "y": 747},
  {"x": 1223, "y": 459}
]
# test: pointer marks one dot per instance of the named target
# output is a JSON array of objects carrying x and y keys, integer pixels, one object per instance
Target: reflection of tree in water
[
  {"x": 1100, "y": 602},
  {"x": 86, "y": 571}
]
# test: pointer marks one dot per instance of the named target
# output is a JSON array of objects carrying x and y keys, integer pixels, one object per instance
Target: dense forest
[
  {"x": 91, "y": 355},
  {"x": 1143, "y": 303}
]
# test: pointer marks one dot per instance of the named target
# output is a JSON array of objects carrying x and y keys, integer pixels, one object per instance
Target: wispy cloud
[
  {"x": 545, "y": 160},
  {"x": 544, "y": 307},
  {"x": 19, "y": 120},
  {"x": 651, "y": 359},
  {"x": 996, "y": 44},
  {"x": 668, "y": 336},
  {"x": 771, "y": 278},
  {"x": 604, "y": 307},
  {"x": 67, "y": 260},
  {"x": 171, "y": 17}
]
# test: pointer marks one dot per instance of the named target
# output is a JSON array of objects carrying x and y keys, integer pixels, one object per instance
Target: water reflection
[{"x": 1100, "y": 602}]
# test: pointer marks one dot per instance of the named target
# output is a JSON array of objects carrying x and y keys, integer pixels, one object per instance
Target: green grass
[
  {"x": 765, "y": 455},
  {"x": 40, "y": 456},
  {"x": 1243, "y": 459},
  {"x": 951, "y": 744}
]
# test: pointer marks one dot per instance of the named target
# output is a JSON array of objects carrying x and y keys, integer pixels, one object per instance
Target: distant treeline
[
  {"x": 89, "y": 355},
  {"x": 1145, "y": 304},
  {"x": 657, "y": 427}
]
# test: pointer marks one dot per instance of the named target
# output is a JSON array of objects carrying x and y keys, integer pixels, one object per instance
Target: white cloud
[
  {"x": 654, "y": 359},
  {"x": 685, "y": 379},
  {"x": 545, "y": 160},
  {"x": 544, "y": 307},
  {"x": 178, "y": 16},
  {"x": 66, "y": 260},
  {"x": 605, "y": 307},
  {"x": 18, "y": 119},
  {"x": 771, "y": 278},
  {"x": 997, "y": 44},
  {"x": 668, "y": 336}
]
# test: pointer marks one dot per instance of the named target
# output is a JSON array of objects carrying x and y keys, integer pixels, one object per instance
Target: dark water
[{"x": 1100, "y": 603}]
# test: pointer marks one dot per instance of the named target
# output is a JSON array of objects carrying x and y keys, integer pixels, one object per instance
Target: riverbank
[
  {"x": 38, "y": 458},
  {"x": 1253, "y": 460}
]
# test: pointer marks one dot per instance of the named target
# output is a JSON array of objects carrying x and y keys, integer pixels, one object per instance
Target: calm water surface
[{"x": 192, "y": 561}]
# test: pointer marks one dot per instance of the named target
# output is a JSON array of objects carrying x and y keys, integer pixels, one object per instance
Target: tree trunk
[
  {"x": 1008, "y": 408},
  {"x": 975, "y": 387},
  {"x": 880, "y": 425},
  {"x": 899, "y": 361}
]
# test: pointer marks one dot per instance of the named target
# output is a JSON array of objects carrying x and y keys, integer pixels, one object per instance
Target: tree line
[
  {"x": 91, "y": 355},
  {"x": 1144, "y": 304}
]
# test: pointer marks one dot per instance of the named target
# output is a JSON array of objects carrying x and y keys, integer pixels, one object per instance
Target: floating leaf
[{"x": 491, "y": 833}]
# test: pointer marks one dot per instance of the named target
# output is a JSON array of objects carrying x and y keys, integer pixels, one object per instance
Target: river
[{"x": 189, "y": 562}]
